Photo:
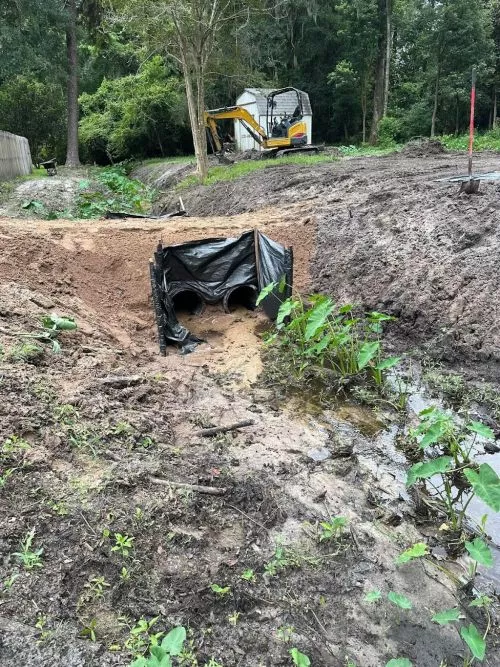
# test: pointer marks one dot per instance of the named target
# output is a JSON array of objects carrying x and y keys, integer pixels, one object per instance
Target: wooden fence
[{"x": 15, "y": 156}]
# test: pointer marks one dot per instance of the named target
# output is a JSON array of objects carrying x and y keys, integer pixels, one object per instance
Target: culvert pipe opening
[
  {"x": 188, "y": 302},
  {"x": 242, "y": 295}
]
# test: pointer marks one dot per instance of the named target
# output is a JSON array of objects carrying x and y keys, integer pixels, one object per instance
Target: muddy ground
[
  {"x": 107, "y": 418},
  {"x": 391, "y": 236}
]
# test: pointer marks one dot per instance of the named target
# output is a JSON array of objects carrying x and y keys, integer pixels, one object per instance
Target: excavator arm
[{"x": 233, "y": 113}]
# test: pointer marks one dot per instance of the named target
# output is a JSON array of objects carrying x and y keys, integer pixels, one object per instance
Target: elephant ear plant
[
  {"x": 319, "y": 334},
  {"x": 452, "y": 474}
]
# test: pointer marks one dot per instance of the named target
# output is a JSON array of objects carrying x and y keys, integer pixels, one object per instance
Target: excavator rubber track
[{"x": 299, "y": 149}]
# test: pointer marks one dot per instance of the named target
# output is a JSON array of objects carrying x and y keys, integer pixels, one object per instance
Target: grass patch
[
  {"x": 485, "y": 141},
  {"x": 239, "y": 169}
]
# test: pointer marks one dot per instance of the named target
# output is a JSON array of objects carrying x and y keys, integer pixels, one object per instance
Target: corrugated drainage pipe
[
  {"x": 188, "y": 301},
  {"x": 241, "y": 295}
]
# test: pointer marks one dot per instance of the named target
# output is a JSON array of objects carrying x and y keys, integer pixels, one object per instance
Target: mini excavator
[{"x": 285, "y": 133}]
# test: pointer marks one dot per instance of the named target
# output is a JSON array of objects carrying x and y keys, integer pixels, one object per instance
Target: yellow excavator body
[{"x": 288, "y": 135}]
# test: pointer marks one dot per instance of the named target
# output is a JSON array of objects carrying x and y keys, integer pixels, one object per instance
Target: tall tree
[{"x": 72, "y": 154}]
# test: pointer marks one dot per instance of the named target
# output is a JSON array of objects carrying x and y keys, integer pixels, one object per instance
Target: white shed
[{"x": 255, "y": 102}]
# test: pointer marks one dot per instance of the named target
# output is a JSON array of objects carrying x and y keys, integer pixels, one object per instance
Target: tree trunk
[
  {"x": 457, "y": 117},
  {"x": 72, "y": 156},
  {"x": 494, "y": 124},
  {"x": 388, "y": 49},
  {"x": 197, "y": 124},
  {"x": 436, "y": 97},
  {"x": 363, "y": 109},
  {"x": 378, "y": 91}
]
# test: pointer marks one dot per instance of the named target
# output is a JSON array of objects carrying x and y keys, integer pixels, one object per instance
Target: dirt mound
[
  {"x": 423, "y": 147},
  {"x": 163, "y": 175},
  {"x": 57, "y": 193}
]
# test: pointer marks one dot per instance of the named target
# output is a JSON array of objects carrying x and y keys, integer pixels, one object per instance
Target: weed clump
[{"x": 325, "y": 345}]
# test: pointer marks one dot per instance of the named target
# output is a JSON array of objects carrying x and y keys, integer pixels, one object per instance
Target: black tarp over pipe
[{"x": 189, "y": 275}]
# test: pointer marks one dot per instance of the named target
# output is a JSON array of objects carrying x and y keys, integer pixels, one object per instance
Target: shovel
[{"x": 471, "y": 187}]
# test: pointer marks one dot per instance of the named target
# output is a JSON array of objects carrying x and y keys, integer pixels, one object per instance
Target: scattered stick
[
  {"x": 206, "y": 432},
  {"x": 210, "y": 490},
  {"x": 248, "y": 517}
]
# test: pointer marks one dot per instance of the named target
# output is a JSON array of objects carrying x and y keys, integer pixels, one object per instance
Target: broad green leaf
[
  {"x": 372, "y": 596},
  {"x": 399, "y": 662},
  {"x": 320, "y": 346},
  {"x": 447, "y": 616},
  {"x": 481, "y": 429},
  {"x": 140, "y": 662},
  {"x": 416, "y": 551},
  {"x": 282, "y": 284},
  {"x": 474, "y": 641},
  {"x": 61, "y": 323},
  {"x": 399, "y": 600},
  {"x": 346, "y": 309},
  {"x": 284, "y": 310},
  {"x": 387, "y": 363},
  {"x": 265, "y": 291},
  {"x": 433, "y": 434},
  {"x": 480, "y": 552},
  {"x": 379, "y": 317},
  {"x": 482, "y": 601},
  {"x": 173, "y": 642},
  {"x": 159, "y": 657},
  {"x": 428, "y": 469},
  {"x": 486, "y": 485},
  {"x": 299, "y": 659},
  {"x": 366, "y": 353},
  {"x": 317, "y": 317}
]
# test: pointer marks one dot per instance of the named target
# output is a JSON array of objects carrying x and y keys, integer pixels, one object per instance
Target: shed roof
[{"x": 285, "y": 103}]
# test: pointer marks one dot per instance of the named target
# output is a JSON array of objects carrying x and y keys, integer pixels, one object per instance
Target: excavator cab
[{"x": 282, "y": 125}]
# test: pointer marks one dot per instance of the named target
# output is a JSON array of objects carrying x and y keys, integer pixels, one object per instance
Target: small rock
[
  {"x": 340, "y": 444},
  {"x": 491, "y": 448},
  {"x": 320, "y": 454}
]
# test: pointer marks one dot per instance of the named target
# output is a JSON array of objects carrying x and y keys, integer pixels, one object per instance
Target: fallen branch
[
  {"x": 206, "y": 432},
  {"x": 210, "y": 490}
]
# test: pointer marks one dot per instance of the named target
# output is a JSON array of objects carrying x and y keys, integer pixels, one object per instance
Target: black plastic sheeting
[{"x": 230, "y": 271}]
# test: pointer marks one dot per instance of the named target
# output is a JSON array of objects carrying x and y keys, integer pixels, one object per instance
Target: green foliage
[
  {"x": 399, "y": 662},
  {"x": 474, "y": 641},
  {"x": 486, "y": 485},
  {"x": 321, "y": 334},
  {"x": 123, "y": 544},
  {"x": 36, "y": 110},
  {"x": 161, "y": 656},
  {"x": 439, "y": 431},
  {"x": 390, "y": 131},
  {"x": 332, "y": 529},
  {"x": 418, "y": 550},
  {"x": 28, "y": 557},
  {"x": 447, "y": 616},
  {"x": 480, "y": 552},
  {"x": 373, "y": 596},
  {"x": 299, "y": 659},
  {"x": 429, "y": 469},
  {"x": 134, "y": 116},
  {"x": 220, "y": 591},
  {"x": 399, "y": 600},
  {"x": 118, "y": 193}
]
